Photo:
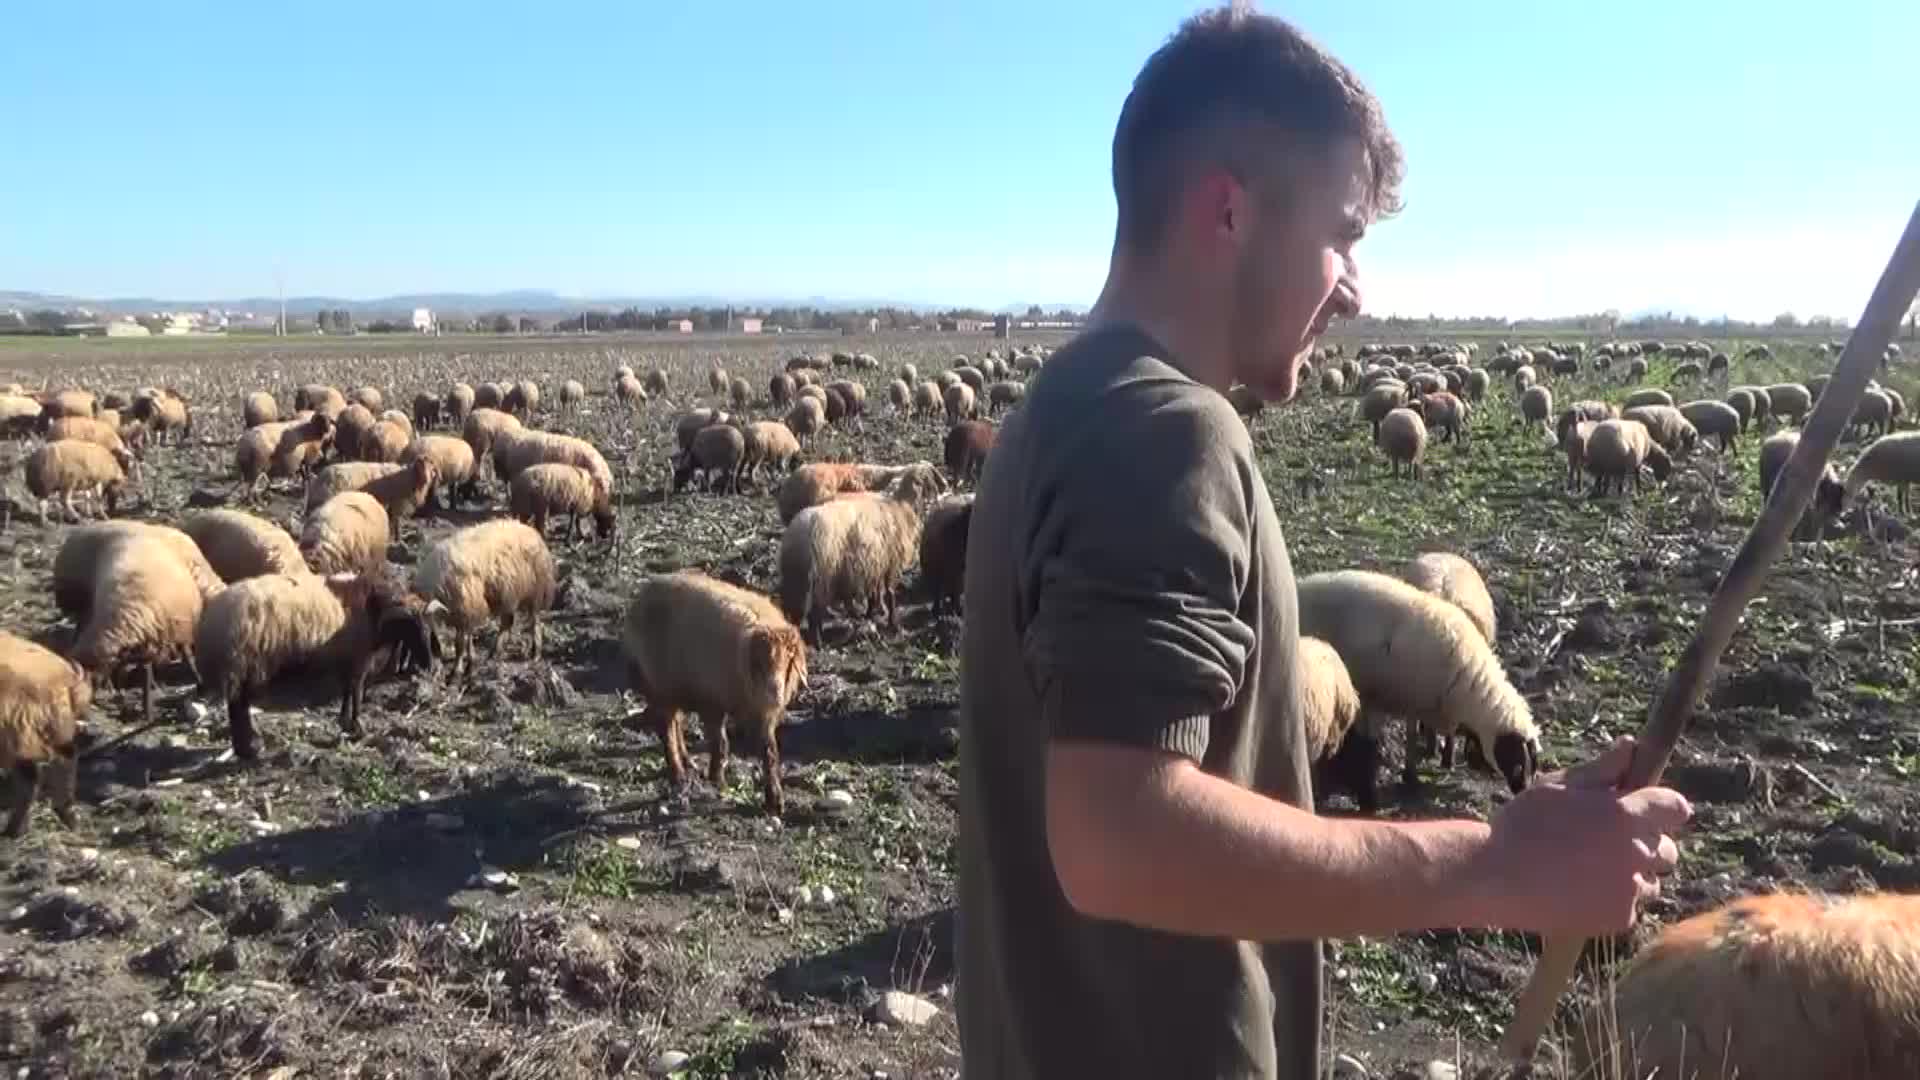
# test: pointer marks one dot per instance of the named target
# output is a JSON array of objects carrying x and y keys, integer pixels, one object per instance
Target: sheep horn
[{"x": 1788, "y": 500}]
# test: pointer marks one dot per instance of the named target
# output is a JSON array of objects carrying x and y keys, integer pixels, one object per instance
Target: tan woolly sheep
[
  {"x": 1381, "y": 399},
  {"x": 43, "y": 698},
  {"x": 1617, "y": 450},
  {"x": 1890, "y": 459},
  {"x": 1402, "y": 435},
  {"x": 344, "y": 476},
  {"x": 807, "y": 418},
  {"x": 19, "y": 415},
  {"x": 1329, "y": 704},
  {"x": 77, "y": 565},
  {"x": 1874, "y": 413},
  {"x": 1668, "y": 427},
  {"x": 572, "y": 395},
  {"x": 692, "y": 643},
  {"x": 306, "y": 627},
  {"x": 490, "y": 395},
  {"x": 346, "y": 534},
  {"x": 282, "y": 448},
  {"x": 1443, "y": 413},
  {"x": 69, "y": 403},
  {"x": 780, "y": 389},
  {"x": 772, "y": 444},
  {"x": 259, "y": 408},
  {"x": 385, "y": 441},
  {"x": 540, "y": 491},
  {"x": 144, "y": 607},
  {"x": 73, "y": 467},
  {"x": 961, "y": 402},
  {"x": 1648, "y": 396},
  {"x": 452, "y": 461},
  {"x": 1789, "y": 401},
  {"x": 1457, "y": 581},
  {"x": 483, "y": 426},
  {"x": 517, "y": 450},
  {"x": 100, "y": 433},
  {"x": 1574, "y": 441},
  {"x": 926, "y": 399},
  {"x": 459, "y": 403},
  {"x": 164, "y": 412},
  {"x": 499, "y": 570},
  {"x": 1536, "y": 406},
  {"x": 817, "y": 482},
  {"x": 370, "y": 398},
  {"x": 739, "y": 392},
  {"x": 239, "y": 545},
  {"x": 1781, "y": 986},
  {"x": 655, "y": 383},
  {"x": 689, "y": 424},
  {"x": 852, "y": 548},
  {"x": 523, "y": 398},
  {"x": 628, "y": 391},
  {"x": 899, "y": 395},
  {"x": 718, "y": 453},
  {"x": 1578, "y": 411},
  {"x": 1414, "y": 655},
  {"x": 1715, "y": 420}
]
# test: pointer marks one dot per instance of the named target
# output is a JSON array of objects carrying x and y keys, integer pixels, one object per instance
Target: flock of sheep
[{"x": 247, "y": 603}]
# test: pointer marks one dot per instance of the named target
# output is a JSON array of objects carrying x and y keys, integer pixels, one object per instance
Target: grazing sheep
[
  {"x": 1524, "y": 378},
  {"x": 1002, "y": 395},
  {"x": 77, "y": 565},
  {"x": 1578, "y": 411},
  {"x": 344, "y": 476},
  {"x": 426, "y": 411},
  {"x": 1381, "y": 399},
  {"x": 1829, "y": 493},
  {"x": 1403, "y": 436},
  {"x": 490, "y": 396},
  {"x": 1443, "y": 413},
  {"x": 400, "y": 420},
  {"x": 807, "y": 418},
  {"x": 164, "y": 412},
  {"x": 740, "y": 392},
  {"x": 1872, "y": 416},
  {"x": 282, "y": 448},
  {"x": 1329, "y": 703},
  {"x": 460, "y": 401},
  {"x": 1636, "y": 369},
  {"x": 239, "y": 545},
  {"x": 1668, "y": 426},
  {"x": 573, "y": 394},
  {"x": 945, "y": 380},
  {"x": 370, "y": 399},
  {"x": 43, "y": 698},
  {"x": 452, "y": 461},
  {"x": 346, "y": 534},
  {"x": 1742, "y": 401},
  {"x": 499, "y": 570},
  {"x": 780, "y": 389},
  {"x": 1687, "y": 372},
  {"x": 352, "y": 426},
  {"x": 144, "y": 607},
  {"x": 1477, "y": 382},
  {"x": 629, "y": 391},
  {"x": 100, "y": 433},
  {"x": 1718, "y": 364},
  {"x": 696, "y": 644},
  {"x": 852, "y": 396},
  {"x": 73, "y": 467},
  {"x": 1333, "y": 381},
  {"x": 926, "y": 399},
  {"x": 1816, "y": 385},
  {"x": 1781, "y": 986},
  {"x": 1618, "y": 449},
  {"x": 1648, "y": 396},
  {"x": 305, "y": 627},
  {"x": 967, "y": 445},
  {"x": 960, "y": 402},
  {"x": 402, "y": 492},
  {"x": 973, "y": 377},
  {"x": 1715, "y": 420},
  {"x": 517, "y": 450},
  {"x": 260, "y": 408},
  {"x": 899, "y": 395},
  {"x": 19, "y": 415},
  {"x": 523, "y": 398},
  {"x": 1536, "y": 406},
  {"x": 772, "y": 444},
  {"x": 909, "y": 374},
  {"x": 1890, "y": 459},
  {"x": 943, "y": 551},
  {"x": 1457, "y": 581},
  {"x": 817, "y": 482},
  {"x": 718, "y": 453},
  {"x": 855, "y": 547},
  {"x": 689, "y": 425},
  {"x": 1789, "y": 401},
  {"x": 69, "y": 403},
  {"x": 386, "y": 441},
  {"x": 655, "y": 384},
  {"x": 1416, "y": 656},
  {"x": 549, "y": 488},
  {"x": 483, "y": 426}
]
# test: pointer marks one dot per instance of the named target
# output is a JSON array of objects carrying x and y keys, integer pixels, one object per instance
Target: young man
[{"x": 1143, "y": 882}]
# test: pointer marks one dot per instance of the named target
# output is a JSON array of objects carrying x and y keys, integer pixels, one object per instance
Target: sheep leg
[
  {"x": 668, "y": 730},
  {"x": 891, "y": 602},
  {"x": 1408, "y": 775},
  {"x": 65, "y": 776},
  {"x": 534, "y": 620},
  {"x": 26, "y": 782},
  {"x": 146, "y": 692},
  {"x": 352, "y": 693},
  {"x": 1446, "y": 751},
  {"x": 774, "y": 798},
  {"x": 240, "y": 727},
  {"x": 717, "y": 748}
]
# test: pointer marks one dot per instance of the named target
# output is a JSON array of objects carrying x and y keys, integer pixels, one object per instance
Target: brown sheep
[
  {"x": 426, "y": 411},
  {"x": 943, "y": 551},
  {"x": 1443, "y": 413},
  {"x": 967, "y": 445},
  {"x": 807, "y": 418},
  {"x": 43, "y": 699},
  {"x": 780, "y": 389},
  {"x": 346, "y": 534},
  {"x": 1617, "y": 450},
  {"x": 772, "y": 444},
  {"x": 239, "y": 545},
  {"x": 694, "y": 643},
  {"x": 452, "y": 461},
  {"x": 523, "y": 398},
  {"x": 1403, "y": 436},
  {"x": 73, "y": 467},
  {"x": 144, "y": 607},
  {"x": 740, "y": 392},
  {"x": 460, "y": 401},
  {"x": 816, "y": 482},
  {"x": 543, "y": 490},
  {"x": 718, "y": 453},
  {"x": 83, "y": 550},
  {"x": 164, "y": 412}
]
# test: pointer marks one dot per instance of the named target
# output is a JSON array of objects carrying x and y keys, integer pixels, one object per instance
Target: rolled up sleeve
[{"x": 1135, "y": 635}]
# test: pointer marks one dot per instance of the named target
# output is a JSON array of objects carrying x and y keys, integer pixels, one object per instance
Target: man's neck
[{"x": 1197, "y": 345}]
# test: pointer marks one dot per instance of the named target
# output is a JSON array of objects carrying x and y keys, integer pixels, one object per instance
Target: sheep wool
[
  {"x": 499, "y": 570},
  {"x": 943, "y": 551},
  {"x": 855, "y": 547},
  {"x": 1666, "y": 425},
  {"x": 772, "y": 444},
  {"x": 452, "y": 459},
  {"x": 43, "y": 698},
  {"x": 345, "y": 625},
  {"x": 259, "y": 408},
  {"x": 143, "y": 611},
  {"x": 1403, "y": 436},
  {"x": 1616, "y": 452},
  {"x": 1419, "y": 657},
  {"x": 1457, "y": 581},
  {"x": 346, "y": 534},
  {"x": 239, "y": 545},
  {"x": 77, "y": 565},
  {"x": 1789, "y": 401},
  {"x": 1779, "y": 986},
  {"x": 1829, "y": 493},
  {"x": 816, "y": 482},
  {"x": 550, "y": 488},
  {"x": 1716, "y": 420},
  {"x": 696, "y": 644},
  {"x": 1329, "y": 704},
  {"x": 344, "y": 476},
  {"x": 73, "y": 467},
  {"x": 1893, "y": 460}
]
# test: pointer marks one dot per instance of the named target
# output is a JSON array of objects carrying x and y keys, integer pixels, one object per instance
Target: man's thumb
[{"x": 1605, "y": 771}]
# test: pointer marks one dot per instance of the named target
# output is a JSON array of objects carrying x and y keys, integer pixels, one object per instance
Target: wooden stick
[{"x": 1792, "y": 491}]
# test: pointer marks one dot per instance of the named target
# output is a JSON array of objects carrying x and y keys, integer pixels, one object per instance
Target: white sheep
[
  {"x": 497, "y": 570},
  {"x": 1416, "y": 656},
  {"x": 1403, "y": 436},
  {"x": 1668, "y": 427},
  {"x": 144, "y": 607},
  {"x": 692, "y": 643},
  {"x": 239, "y": 545},
  {"x": 855, "y": 547},
  {"x": 1890, "y": 459},
  {"x": 541, "y": 491},
  {"x": 346, "y": 534},
  {"x": 1616, "y": 452},
  {"x": 43, "y": 699}
]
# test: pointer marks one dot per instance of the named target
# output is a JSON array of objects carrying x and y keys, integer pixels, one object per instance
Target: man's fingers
[
  {"x": 1659, "y": 809},
  {"x": 1603, "y": 771}
]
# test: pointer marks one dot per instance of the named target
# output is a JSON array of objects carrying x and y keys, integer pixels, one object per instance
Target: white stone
[
  {"x": 826, "y": 896},
  {"x": 630, "y": 843},
  {"x": 1442, "y": 1070},
  {"x": 670, "y": 1061},
  {"x": 88, "y": 854},
  {"x": 784, "y": 915},
  {"x": 904, "y": 1010},
  {"x": 803, "y": 897},
  {"x": 149, "y": 1019},
  {"x": 836, "y": 800},
  {"x": 17, "y": 913},
  {"x": 1427, "y": 981},
  {"x": 197, "y": 710},
  {"x": 1348, "y": 1065}
]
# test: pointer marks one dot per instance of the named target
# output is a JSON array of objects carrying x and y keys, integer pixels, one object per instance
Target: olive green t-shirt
[{"x": 1126, "y": 583}]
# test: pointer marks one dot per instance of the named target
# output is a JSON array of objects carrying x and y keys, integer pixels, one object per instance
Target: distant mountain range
[{"x": 517, "y": 301}]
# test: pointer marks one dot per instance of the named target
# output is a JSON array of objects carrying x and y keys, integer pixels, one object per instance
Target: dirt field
[{"x": 491, "y": 883}]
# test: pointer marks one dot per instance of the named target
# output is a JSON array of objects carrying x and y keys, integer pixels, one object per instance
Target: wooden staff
[{"x": 1792, "y": 491}]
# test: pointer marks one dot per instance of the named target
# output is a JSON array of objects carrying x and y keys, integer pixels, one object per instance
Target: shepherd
[{"x": 1143, "y": 882}]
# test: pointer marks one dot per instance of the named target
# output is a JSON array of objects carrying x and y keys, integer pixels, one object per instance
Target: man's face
[{"x": 1295, "y": 270}]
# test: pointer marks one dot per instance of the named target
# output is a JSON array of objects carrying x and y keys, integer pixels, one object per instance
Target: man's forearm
[{"x": 1161, "y": 843}]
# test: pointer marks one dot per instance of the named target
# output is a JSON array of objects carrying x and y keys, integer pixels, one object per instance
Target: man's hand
[{"x": 1574, "y": 856}]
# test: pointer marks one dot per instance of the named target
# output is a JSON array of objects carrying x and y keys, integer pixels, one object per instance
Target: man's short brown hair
[{"x": 1224, "y": 82}]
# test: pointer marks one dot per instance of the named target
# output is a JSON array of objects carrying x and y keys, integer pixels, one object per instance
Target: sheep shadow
[
  {"x": 411, "y": 859},
  {"x": 915, "y": 955},
  {"x": 920, "y": 734}
]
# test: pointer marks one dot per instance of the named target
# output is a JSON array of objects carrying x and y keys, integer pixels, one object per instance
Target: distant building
[
  {"x": 749, "y": 325},
  {"x": 179, "y": 323},
  {"x": 682, "y": 326},
  {"x": 1003, "y": 326},
  {"x": 873, "y": 324},
  {"x": 423, "y": 320},
  {"x": 127, "y": 328},
  {"x": 962, "y": 326}
]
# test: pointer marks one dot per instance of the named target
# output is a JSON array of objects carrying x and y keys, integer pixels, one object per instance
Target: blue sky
[{"x": 1706, "y": 155}]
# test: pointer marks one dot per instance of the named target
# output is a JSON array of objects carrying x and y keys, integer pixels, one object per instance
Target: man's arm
[{"x": 1146, "y": 837}]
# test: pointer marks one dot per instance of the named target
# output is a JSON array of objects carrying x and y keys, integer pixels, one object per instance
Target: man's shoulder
[{"x": 1120, "y": 384}]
